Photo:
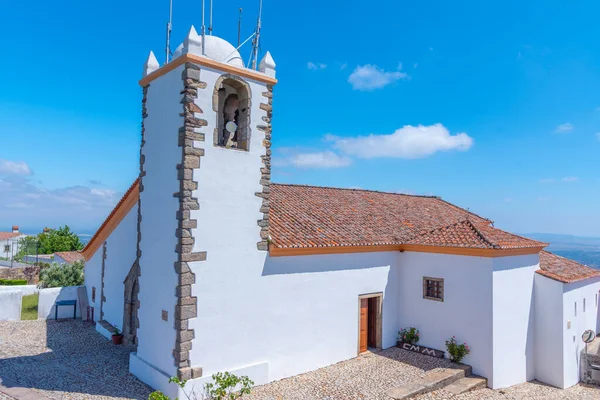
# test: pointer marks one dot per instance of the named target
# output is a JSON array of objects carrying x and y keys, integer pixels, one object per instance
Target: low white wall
[
  {"x": 10, "y": 305},
  {"x": 48, "y": 297},
  {"x": 25, "y": 290}
]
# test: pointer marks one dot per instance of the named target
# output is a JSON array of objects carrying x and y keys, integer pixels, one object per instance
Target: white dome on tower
[{"x": 215, "y": 48}]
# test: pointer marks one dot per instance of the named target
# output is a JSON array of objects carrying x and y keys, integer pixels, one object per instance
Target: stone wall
[{"x": 18, "y": 273}]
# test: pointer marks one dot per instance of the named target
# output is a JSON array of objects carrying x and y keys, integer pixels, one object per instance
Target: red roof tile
[
  {"x": 129, "y": 199},
  {"x": 564, "y": 270},
  {"x": 70, "y": 256},
  {"x": 8, "y": 235},
  {"x": 474, "y": 235},
  {"x": 308, "y": 216}
]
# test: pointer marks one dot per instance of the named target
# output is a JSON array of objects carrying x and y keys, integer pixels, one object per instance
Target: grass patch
[{"x": 29, "y": 307}]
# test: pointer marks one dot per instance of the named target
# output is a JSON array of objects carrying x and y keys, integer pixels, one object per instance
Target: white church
[{"x": 207, "y": 266}]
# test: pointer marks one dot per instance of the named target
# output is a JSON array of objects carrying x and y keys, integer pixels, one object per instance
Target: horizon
[{"x": 499, "y": 116}]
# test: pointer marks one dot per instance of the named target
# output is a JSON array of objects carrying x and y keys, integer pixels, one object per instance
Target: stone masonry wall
[
  {"x": 265, "y": 179},
  {"x": 186, "y": 307}
]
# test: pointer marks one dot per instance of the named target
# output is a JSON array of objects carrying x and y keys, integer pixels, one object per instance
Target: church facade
[{"x": 207, "y": 266}]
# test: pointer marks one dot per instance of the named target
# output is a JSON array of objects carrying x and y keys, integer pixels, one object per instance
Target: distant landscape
[{"x": 585, "y": 250}]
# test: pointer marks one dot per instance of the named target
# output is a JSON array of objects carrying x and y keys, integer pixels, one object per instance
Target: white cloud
[
  {"x": 316, "y": 66},
  {"x": 370, "y": 77},
  {"x": 28, "y": 204},
  {"x": 570, "y": 179},
  {"x": 564, "y": 128},
  {"x": 317, "y": 159},
  {"x": 14, "y": 168},
  {"x": 406, "y": 142}
]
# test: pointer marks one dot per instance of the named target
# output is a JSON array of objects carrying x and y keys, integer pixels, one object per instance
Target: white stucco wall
[
  {"x": 548, "y": 352},
  {"x": 10, "y": 305},
  {"x": 121, "y": 247},
  {"x": 93, "y": 279},
  {"x": 575, "y": 293},
  {"x": 24, "y": 289},
  {"x": 49, "y": 296},
  {"x": 466, "y": 311},
  {"x": 513, "y": 320},
  {"x": 156, "y": 338},
  {"x": 289, "y": 314}
]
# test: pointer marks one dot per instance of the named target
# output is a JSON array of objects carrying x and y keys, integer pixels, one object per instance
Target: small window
[
  {"x": 583, "y": 305},
  {"x": 575, "y": 308},
  {"x": 7, "y": 248},
  {"x": 433, "y": 288},
  {"x": 93, "y": 293}
]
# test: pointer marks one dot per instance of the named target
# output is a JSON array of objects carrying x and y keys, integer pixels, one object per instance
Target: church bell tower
[{"x": 205, "y": 163}]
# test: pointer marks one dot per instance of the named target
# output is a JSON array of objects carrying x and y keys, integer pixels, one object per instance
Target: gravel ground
[
  {"x": 66, "y": 360},
  {"x": 370, "y": 376},
  {"x": 525, "y": 391},
  {"x": 364, "y": 377}
]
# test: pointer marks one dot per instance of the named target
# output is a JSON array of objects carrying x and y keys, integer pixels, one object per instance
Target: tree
[
  {"x": 60, "y": 275},
  {"x": 61, "y": 239}
]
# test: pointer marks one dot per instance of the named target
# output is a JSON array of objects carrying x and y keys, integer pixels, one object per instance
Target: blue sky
[{"x": 494, "y": 106}]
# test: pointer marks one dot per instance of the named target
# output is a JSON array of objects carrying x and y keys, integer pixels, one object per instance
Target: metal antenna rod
[
  {"x": 203, "y": 28},
  {"x": 169, "y": 27},
  {"x": 239, "y": 27},
  {"x": 257, "y": 37},
  {"x": 210, "y": 19}
]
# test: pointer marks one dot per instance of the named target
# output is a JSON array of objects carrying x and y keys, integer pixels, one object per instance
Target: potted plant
[
  {"x": 117, "y": 337},
  {"x": 408, "y": 335},
  {"x": 456, "y": 351}
]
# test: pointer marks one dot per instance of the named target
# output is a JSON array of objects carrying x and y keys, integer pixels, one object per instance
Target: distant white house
[
  {"x": 208, "y": 266},
  {"x": 9, "y": 243}
]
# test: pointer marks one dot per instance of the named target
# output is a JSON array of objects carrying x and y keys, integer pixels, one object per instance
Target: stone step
[
  {"x": 466, "y": 384},
  {"x": 432, "y": 380}
]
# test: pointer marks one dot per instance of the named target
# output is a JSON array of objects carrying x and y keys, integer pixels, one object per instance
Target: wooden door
[
  {"x": 372, "y": 312},
  {"x": 364, "y": 325}
]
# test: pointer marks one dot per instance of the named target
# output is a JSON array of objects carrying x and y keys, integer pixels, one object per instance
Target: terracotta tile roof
[
  {"x": 128, "y": 200},
  {"x": 8, "y": 235},
  {"x": 70, "y": 256},
  {"x": 308, "y": 216},
  {"x": 474, "y": 235},
  {"x": 564, "y": 270}
]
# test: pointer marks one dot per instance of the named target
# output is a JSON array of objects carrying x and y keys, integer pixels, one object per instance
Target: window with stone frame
[
  {"x": 433, "y": 288},
  {"x": 232, "y": 100}
]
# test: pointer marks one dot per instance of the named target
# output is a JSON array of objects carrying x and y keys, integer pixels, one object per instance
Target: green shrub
[
  {"x": 60, "y": 275},
  {"x": 13, "y": 282},
  {"x": 408, "y": 335},
  {"x": 457, "y": 351},
  {"x": 226, "y": 386}
]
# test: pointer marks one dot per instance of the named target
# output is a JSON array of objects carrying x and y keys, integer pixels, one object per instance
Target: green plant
[
  {"x": 158, "y": 395},
  {"x": 223, "y": 388},
  {"x": 117, "y": 332},
  {"x": 457, "y": 351},
  {"x": 225, "y": 385},
  {"x": 58, "y": 275},
  {"x": 13, "y": 282},
  {"x": 409, "y": 335}
]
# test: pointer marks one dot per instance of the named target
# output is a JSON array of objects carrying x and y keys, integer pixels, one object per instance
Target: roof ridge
[
  {"x": 356, "y": 190},
  {"x": 127, "y": 193},
  {"x": 481, "y": 234}
]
